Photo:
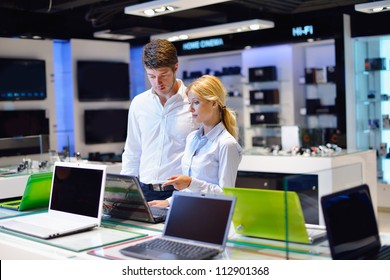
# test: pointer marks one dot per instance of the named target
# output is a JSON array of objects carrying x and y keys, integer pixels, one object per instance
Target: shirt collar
[
  {"x": 179, "y": 96},
  {"x": 213, "y": 133}
]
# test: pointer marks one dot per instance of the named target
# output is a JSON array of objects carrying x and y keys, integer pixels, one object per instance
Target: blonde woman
[{"x": 212, "y": 153}]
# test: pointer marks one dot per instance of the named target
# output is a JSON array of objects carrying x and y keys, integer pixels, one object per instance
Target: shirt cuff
[{"x": 195, "y": 185}]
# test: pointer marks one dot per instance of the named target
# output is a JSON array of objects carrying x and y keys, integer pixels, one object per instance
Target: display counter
[
  {"x": 340, "y": 171},
  {"x": 104, "y": 243},
  {"x": 332, "y": 174}
]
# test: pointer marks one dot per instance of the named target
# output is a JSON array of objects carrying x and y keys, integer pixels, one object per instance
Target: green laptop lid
[
  {"x": 37, "y": 192},
  {"x": 262, "y": 213}
]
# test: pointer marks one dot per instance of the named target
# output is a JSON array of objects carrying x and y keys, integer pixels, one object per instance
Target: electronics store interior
[{"x": 308, "y": 81}]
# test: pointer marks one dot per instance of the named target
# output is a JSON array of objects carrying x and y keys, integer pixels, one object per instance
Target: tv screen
[
  {"x": 19, "y": 123},
  {"x": 103, "y": 81},
  {"x": 105, "y": 126},
  {"x": 22, "y": 79}
]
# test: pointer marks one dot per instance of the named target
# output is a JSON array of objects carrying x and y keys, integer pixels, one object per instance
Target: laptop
[
  {"x": 352, "y": 226},
  {"x": 36, "y": 194},
  {"x": 196, "y": 228},
  {"x": 124, "y": 199},
  {"x": 76, "y": 203},
  {"x": 262, "y": 214}
]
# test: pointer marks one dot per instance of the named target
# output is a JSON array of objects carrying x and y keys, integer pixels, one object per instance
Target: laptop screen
[
  {"x": 200, "y": 218},
  {"x": 123, "y": 198},
  {"x": 77, "y": 190},
  {"x": 350, "y": 223}
]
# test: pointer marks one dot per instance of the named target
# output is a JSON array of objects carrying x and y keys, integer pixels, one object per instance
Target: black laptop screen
[
  {"x": 351, "y": 223},
  {"x": 199, "y": 218},
  {"x": 76, "y": 190}
]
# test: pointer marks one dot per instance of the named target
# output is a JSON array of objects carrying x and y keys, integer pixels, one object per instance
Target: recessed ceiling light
[
  {"x": 162, "y": 7},
  {"x": 216, "y": 30}
]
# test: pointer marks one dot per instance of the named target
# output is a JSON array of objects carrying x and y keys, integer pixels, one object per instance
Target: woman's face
[{"x": 202, "y": 110}]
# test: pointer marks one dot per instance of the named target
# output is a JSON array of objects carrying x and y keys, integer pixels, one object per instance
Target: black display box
[
  {"x": 263, "y": 74},
  {"x": 264, "y": 118},
  {"x": 264, "y": 96},
  {"x": 373, "y": 64}
]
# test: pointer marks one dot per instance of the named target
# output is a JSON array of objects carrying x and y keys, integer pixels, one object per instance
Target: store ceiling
[{"x": 65, "y": 19}]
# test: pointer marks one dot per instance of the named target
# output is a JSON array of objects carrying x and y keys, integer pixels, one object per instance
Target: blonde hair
[{"x": 210, "y": 88}]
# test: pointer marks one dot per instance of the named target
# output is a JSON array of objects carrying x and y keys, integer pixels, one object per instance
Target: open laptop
[
  {"x": 265, "y": 214},
  {"x": 124, "y": 199},
  {"x": 352, "y": 226},
  {"x": 200, "y": 222},
  {"x": 36, "y": 194},
  {"x": 76, "y": 203}
]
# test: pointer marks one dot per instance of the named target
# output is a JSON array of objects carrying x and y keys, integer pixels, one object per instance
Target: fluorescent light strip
[
  {"x": 215, "y": 30},
  {"x": 163, "y": 7},
  {"x": 106, "y": 34},
  {"x": 373, "y": 7}
]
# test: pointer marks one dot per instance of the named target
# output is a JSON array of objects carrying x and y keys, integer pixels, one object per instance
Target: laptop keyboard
[
  {"x": 187, "y": 251},
  {"x": 14, "y": 203},
  {"x": 315, "y": 232},
  {"x": 158, "y": 212},
  {"x": 47, "y": 221},
  {"x": 384, "y": 253}
]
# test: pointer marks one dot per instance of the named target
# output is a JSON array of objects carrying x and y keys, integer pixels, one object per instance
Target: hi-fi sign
[{"x": 300, "y": 31}]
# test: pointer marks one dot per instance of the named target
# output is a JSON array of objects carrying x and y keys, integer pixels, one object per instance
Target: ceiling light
[
  {"x": 106, "y": 34},
  {"x": 216, "y": 30},
  {"x": 373, "y": 7},
  {"x": 162, "y": 7}
]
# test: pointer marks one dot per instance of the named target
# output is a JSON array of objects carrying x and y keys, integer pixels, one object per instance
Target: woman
[{"x": 212, "y": 153}]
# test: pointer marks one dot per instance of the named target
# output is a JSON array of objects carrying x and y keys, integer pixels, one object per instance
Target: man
[{"x": 158, "y": 124}]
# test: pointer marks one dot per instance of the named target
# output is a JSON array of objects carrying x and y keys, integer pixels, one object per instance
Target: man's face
[{"x": 162, "y": 79}]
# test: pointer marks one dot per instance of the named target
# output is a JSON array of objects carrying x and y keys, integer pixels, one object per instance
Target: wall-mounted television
[
  {"x": 22, "y": 79},
  {"x": 103, "y": 81},
  {"x": 105, "y": 126},
  {"x": 23, "y": 132},
  {"x": 18, "y": 123}
]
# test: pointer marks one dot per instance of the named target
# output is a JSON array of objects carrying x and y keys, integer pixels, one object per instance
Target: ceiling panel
[{"x": 64, "y": 19}]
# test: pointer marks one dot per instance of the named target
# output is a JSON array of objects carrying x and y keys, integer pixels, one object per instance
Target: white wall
[
  {"x": 104, "y": 51},
  {"x": 32, "y": 49}
]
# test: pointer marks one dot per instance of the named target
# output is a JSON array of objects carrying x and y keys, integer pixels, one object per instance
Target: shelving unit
[
  {"x": 262, "y": 106},
  {"x": 372, "y": 100},
  {"x": 290, "y": 61},
  {"x": 228, "y": 70}
]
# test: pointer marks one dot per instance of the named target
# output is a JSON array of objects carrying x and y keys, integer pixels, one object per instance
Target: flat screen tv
[
  {"x": 23, "y": 132},
  {"x": 18, "y": 123},
  {"x": 105, "y": 126},
  {"x": 22, "y": 79},
  {"x": 103, "y": 81}
]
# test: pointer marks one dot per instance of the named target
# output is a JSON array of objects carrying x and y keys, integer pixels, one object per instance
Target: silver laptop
[
  {"x": 76, "y": 203},
  {"x": 196, "y": 228},
  {"x": 124, "y": 199}
]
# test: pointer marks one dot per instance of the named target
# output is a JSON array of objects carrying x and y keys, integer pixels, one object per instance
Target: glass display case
[{"x": 372, "y": 84}]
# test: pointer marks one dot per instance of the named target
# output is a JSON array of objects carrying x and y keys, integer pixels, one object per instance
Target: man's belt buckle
[{"x": 157, "y": 187}]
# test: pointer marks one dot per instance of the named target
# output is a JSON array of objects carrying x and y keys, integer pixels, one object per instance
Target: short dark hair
[{"x": 159, "y": 53}]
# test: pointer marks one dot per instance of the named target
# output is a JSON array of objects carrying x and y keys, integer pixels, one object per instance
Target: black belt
[{"x": 159, "y": 187}]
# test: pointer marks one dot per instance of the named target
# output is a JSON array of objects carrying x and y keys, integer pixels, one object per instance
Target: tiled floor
[{"x": 384, "y": 221}]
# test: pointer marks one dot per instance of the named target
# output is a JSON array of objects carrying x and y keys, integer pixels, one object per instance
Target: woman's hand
[
  {"x": 159, "y": 203},
  {"x": 179, "y": 182}
]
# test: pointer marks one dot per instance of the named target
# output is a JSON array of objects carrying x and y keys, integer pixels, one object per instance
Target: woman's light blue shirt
[{"x": 211, "y": 160}]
